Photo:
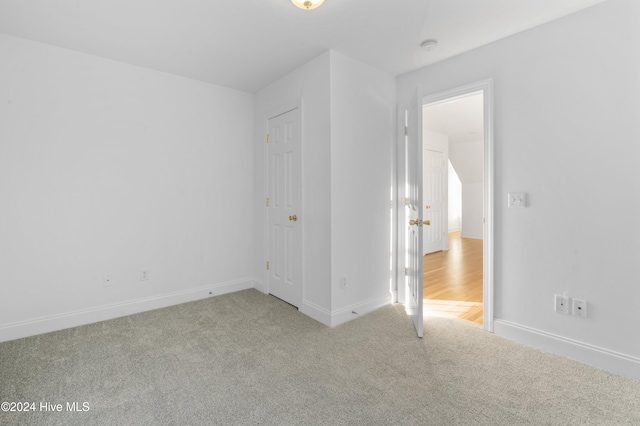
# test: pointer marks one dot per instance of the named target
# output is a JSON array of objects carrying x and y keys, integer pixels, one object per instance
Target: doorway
[
  {"x": 458, "y": 270},
  {"x": 454, "y": 129}
]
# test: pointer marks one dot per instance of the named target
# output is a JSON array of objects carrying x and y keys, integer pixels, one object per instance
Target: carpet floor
[{"x": 249, "y": 359}]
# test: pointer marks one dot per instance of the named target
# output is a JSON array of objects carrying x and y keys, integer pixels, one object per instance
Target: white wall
[
  {"x": 567, "y": 102},
  {"x": 362, "y": 128},
  {"x": 110, "y": 168},
  {"x": 472, "y": 203},
  {"x": 468, "y": 159},
  {"x": 347, "y": 121},
  {"x": 455, "y": 200},
  {"x": 309, "y": 84}
]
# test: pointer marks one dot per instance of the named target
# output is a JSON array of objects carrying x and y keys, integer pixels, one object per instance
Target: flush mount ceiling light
[
  {"x": 307, "y": 4},
  {"x": 429, "y": 45}
]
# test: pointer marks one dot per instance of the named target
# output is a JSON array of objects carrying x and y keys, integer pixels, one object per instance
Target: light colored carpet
[{"x": 247, "y": 358}]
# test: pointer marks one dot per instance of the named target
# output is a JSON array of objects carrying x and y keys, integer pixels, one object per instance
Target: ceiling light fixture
[
  {"x": 307, "y": 4},
  {"x": 429, "y": 45}
]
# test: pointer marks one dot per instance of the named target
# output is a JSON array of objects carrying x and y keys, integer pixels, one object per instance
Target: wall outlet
[
  {"x": 343, "y": 282},
  {"x": 580, "y": 308},
  {"x": 107, "y": 280},
  {"x": 561, "y": 304},
  {"x": 144, "y": 275}
]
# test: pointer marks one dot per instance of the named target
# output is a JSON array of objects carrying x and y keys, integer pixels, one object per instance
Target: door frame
[
  {"x": 273, "y": 113},
  {"x": 486, "y": 86}
]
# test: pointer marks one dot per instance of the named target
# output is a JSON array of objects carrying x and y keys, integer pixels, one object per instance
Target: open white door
[{"x": 414, "y": 197}]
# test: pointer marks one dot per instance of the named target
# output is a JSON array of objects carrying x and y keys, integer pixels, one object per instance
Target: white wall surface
[
  {"x": 347, "y": 113},
  {"x": 468, "y": 159},
  {"x": 472, "y": 203},
  {"x": 567, "y": 102},
  {"x": 455, "y": 200},
  {"x": 435, "y": 140},
  {"x": 309, "y": 84},
  {"x": 362, "y": 129},
  {"x": 108, "y": 168}
]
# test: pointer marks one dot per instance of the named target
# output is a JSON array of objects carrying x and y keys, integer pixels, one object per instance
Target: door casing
[{"x": 486, "y": 86}]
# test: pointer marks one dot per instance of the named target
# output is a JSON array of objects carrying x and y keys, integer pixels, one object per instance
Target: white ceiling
[
  {"x": 250, "y": 43},
  {"x": 460, "y": 119}
]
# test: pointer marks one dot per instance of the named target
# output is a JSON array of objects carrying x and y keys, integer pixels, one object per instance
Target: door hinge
[
  {"x": 406, "y": 201},
  {"x": 406, "y": 131},
  {"x": 267, "y": 202},
  {"x": 406, "y": 271},
  {"x": 267, "y": 138},
  {"x": 267, "y": 265}
]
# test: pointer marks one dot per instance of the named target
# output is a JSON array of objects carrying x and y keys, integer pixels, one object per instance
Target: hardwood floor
[{"x": 453, "y": 280}]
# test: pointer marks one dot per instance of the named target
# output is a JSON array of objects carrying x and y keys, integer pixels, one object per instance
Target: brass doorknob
[
  {"x": 419, "y": 222},
  {"x": 293, "y": 218},
  {"x": 414, "y": 222},
  {"x": 428, "y": 206}
]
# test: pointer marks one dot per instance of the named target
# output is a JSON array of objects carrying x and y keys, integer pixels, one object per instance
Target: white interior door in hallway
[
  {"x": 284, "y": 236},
  {"x": 434, "y": 199},
  {"x": 414, "y": 211}
]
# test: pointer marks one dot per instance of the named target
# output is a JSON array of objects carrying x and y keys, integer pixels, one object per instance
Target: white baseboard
[
  {"x": 316, "y": 312},
  {"x": 472, "y": 236},
  {"x": 259, "y": 285},
  {"x": 41, "y": 325},
  {"x": 348, "y": 313},
  {"x": 604, "y": 359},
  {"x": 356, "y": 310}
]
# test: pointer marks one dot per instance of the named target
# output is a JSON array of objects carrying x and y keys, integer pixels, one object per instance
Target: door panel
[
  {"x": 288, "y": 180},
  {"x": 434, "y": 199},
  {"x": 284, "y": 215}
]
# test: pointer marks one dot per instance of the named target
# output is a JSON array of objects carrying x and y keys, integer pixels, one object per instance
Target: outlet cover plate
[
  {"x": 107, "y": 280},
  {"x": 580, "y": 308},
  {"x": 343, "y": 282},
  {"x": 561, "y": 304}
]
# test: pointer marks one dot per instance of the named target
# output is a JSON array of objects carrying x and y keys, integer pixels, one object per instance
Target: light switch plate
[{"x": 517, "y": 200}]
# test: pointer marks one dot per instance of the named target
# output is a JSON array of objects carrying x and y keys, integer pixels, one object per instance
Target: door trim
[
  {"x": 486, "y": 86},
  {"x": 273, "y": 113}
]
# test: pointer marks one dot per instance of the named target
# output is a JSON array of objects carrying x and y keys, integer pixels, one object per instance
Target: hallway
[{"x": 453, "y": 280}]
